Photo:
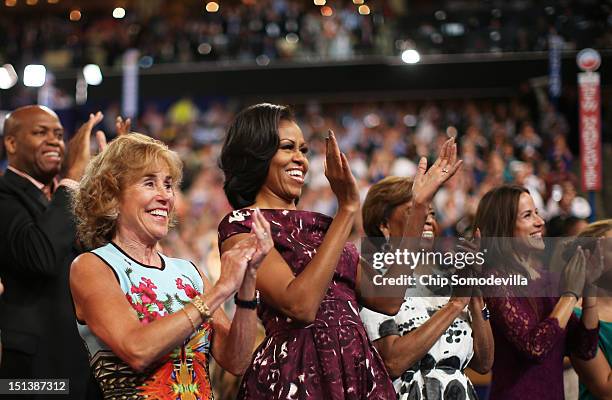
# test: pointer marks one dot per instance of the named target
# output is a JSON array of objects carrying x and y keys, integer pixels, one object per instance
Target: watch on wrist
[
  {"x": 486, "y": 314},
  {"x": 249, "y": 304}
]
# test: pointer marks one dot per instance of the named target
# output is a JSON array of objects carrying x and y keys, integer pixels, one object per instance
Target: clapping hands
[
  {"x": 341, "y": 179},
  {"x": 427, "y": 182},
  {"x": 574, "y": 274},
  {"x": 79, "y": 147},
  {"x": 245, "y": 257},
  {"x": 261, "y": 239}
]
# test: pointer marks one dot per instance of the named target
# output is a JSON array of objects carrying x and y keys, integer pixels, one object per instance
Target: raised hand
[
  {"x": 427, "y": 182},
  {"x": 79, "y": 147},
  {"x": 234, "y": 263},
  {"x": 338, "y": 173},
  {"x": 594, "y": 262},
  {"x": 574, "y": 274},
  {"x": 470, "y": 246},
  {"x": 262, "y": 240},
  {"x": 123, "y": 127}
]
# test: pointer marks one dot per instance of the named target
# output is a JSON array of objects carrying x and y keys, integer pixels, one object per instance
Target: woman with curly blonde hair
[{"x": 149, "y": 320}]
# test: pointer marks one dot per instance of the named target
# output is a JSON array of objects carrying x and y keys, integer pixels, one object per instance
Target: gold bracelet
[
  {"x": 190, "y": 319},
  {"x": 202, "y": 308}
]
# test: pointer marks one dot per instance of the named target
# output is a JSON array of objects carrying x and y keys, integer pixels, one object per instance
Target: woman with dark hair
[
  {"x": 432, "y": 339},
  {"x": 531, "y": 334},
  {"x": 311, "y": 282}
]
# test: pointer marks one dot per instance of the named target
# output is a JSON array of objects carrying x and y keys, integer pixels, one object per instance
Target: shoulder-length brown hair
[
  {"x": 125, "y": 160},
  {"x": 496, "y": 218}
]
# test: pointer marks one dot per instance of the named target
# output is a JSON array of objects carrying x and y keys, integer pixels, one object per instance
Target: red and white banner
[{"x": 590, "y": 130}]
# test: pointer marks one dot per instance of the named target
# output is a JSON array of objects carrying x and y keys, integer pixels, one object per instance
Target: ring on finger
[{"x": 444, "y": 171}]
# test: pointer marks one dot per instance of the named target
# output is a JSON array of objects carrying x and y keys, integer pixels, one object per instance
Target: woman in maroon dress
[
  {"x": 531, "y": 334},
  {"x": 311, "y": 282}
]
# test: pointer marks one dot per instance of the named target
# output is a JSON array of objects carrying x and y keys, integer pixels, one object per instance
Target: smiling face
[
  {"x": 288, "y": 167},
  {"x": 396, "y": 224},
  {"x": 529, "y": 225},
  {"x": 146, "y": 206},
  {"x": 35, "y": 142}
]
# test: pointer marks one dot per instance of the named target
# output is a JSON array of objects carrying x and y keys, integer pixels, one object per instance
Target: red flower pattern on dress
[
  {"x": 188, "y": 289},
  {"x": 146, "y": 301}
]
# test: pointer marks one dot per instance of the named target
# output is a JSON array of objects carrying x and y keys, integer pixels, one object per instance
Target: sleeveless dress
[
  {"x": 439, "y": 374},
  {"x": 330, "y": 358},
  {"x": 153, "y": 293}
]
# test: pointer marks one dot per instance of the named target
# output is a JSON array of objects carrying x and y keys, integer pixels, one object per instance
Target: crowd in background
[
  {"x": 180, "y": 32},
  {"x": 524, "y": 140},
  {"x": 500, "y": 141}
]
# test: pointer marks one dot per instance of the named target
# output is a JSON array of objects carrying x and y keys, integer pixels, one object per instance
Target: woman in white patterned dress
[{"x": 427, "y": 345}]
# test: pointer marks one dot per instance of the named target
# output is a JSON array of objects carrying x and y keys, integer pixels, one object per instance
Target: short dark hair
[
  {"x": 382, "y": 198},
  {"x": 251, "y": 142}
]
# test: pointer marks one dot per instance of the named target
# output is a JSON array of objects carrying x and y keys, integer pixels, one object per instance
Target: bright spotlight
[
  {"x": 92, "y": 74},
  {"x": 212, "y": 7},
  {"x": 118, "y": 13},
  {"x": 411, "y": 56},
  {"x": 34, "y": 75},
  {"x": 8, "y": 76}
]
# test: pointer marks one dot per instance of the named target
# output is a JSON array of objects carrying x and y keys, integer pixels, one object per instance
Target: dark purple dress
[
  {"x": 331, "y": 358},
  {"x": 529, "y": 347}
]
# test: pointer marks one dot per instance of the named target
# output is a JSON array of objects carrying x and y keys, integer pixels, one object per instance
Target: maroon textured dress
[
  {"x": 331, "y": 358},
  {"x": 529, "y": 347}
]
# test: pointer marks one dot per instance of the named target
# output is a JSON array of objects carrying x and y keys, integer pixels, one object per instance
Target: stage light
[
  {"x": 118, "y": 13},
  {"x": 10, "y": 3},
  {"x": 52, "y": 1},
  {"x": 262, "y": 60},
  {"x": 212, "y": 7},
  {"x": 292, "y": 38},
  {"x": 34, "y": 75},
  {"x": 145, "y": 62},
  {"x": 440, "y": 15},
  {"x": 8, "y": 76},
  {"x": 364, "y": 10},
  {"x": 204, "y": 48},
  {"x": 75, "y": 15},
  {"x": 357, "y": 2},
  {"x": 31, "y": 2},
  {"x": 411, "y": 56},
  {"x": 92, "y": 74},
  {"x": 319, "y": 2},
  {"x": 327, "y": 11}
]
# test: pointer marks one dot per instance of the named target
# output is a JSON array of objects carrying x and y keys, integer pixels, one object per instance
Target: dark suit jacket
[{"x": 37, "y": 246}]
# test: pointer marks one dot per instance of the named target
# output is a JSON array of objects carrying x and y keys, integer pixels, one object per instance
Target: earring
[{"x": 387, "y": 246}]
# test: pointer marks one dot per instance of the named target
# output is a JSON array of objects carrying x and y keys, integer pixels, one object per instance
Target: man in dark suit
[{"x": 37, "y": 245}]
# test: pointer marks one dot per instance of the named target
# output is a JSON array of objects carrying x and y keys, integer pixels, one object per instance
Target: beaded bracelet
[
  {"x": 202, "y": 309},
  {"x": 486, "y": 314}
]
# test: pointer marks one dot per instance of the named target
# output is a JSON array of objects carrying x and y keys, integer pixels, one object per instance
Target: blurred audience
[{"x": 268, "y": 30}]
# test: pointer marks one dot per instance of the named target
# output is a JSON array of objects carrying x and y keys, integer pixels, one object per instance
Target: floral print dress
[
  {"x": 153, "y": 293},
  {"x": 330, "y": 358}
]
